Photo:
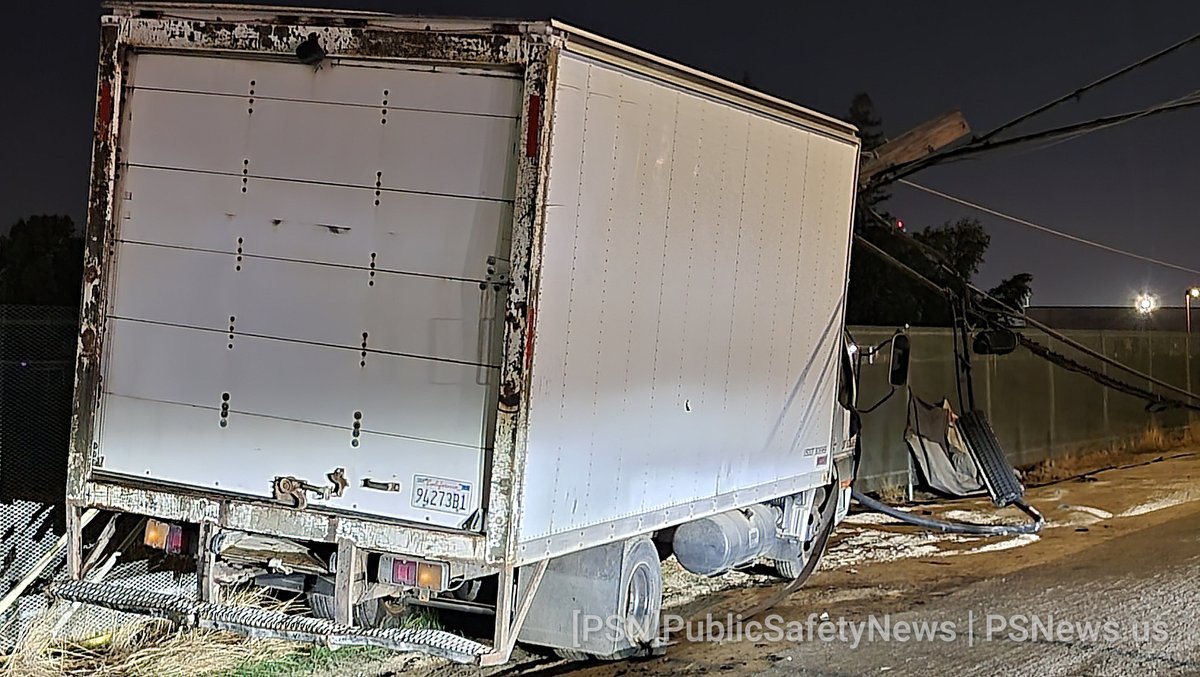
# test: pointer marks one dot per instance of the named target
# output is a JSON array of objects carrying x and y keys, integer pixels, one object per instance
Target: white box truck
[{"x": 479, "y": 315}]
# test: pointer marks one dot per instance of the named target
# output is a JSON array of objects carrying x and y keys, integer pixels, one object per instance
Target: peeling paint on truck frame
[{"x": 529, "y": 48}]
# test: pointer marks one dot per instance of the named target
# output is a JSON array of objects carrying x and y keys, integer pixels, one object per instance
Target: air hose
[{"x": 954, "y": 527}]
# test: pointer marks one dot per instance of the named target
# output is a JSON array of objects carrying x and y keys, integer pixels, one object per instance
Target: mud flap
[{"x": 264, "y": 623}]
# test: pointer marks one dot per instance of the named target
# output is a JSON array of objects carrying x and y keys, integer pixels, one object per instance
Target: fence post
[
  {"x": 1053, "y": 408},
  {"x": 990, "y": 371},
  {"x": 1149, "y": 358},
  {"x": 1187, "y": 367},
  {"x": 1104, "y": 390}
]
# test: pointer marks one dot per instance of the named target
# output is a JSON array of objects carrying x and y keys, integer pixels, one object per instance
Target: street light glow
[
  {"x": 1194, "y": 292},
  {"x": 1146, "y": 303}
]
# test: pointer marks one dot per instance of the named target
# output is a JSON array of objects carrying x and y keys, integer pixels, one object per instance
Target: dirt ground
[{"x": 876, "y": 566}]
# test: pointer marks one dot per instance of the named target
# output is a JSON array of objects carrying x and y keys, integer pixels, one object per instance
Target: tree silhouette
[
  {"x": 879, "y": 293},
  {"x": 41, "y": 262},
  {"x": 862, "y": 114},
  {"x": 1014, "y": 291}
]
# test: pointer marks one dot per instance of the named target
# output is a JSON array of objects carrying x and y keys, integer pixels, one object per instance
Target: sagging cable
[{"x": 1037, "y": 521}]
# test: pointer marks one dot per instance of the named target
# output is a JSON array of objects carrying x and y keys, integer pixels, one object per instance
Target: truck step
[
  {"x": 268, "y": 624},
  {"x": 998, "y": 474}
]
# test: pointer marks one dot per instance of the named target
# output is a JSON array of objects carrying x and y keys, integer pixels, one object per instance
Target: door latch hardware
[
  {"x": 369, "y": 483},
  {"x": 293, "y": 491},
  {"x": 338, "y": 479}
]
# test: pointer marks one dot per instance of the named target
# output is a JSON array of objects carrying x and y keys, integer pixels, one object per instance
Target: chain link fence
[{"x": 37, "y": 357}]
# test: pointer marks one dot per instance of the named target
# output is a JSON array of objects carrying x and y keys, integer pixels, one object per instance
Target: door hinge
[{"x": 497, "y": 274}]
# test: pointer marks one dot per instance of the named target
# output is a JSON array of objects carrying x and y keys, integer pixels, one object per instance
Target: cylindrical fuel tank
[{"x": 720, "y": 542}]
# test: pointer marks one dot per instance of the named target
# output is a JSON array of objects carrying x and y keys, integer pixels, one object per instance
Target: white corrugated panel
[
  {"x": 309, "y": 243},
  {"x": 689, "y": 307}
]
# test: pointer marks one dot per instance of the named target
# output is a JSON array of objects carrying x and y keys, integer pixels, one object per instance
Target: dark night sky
[{"x": 1132, "y": 187}]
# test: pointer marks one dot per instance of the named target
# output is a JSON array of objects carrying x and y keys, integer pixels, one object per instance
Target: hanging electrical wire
[
  {"x": 969, "y": 296},
  {"x": 1187, "y": 100},
  {"x": 1040, "y": 140},
  {"x": 1091, "y": 85},
  {"x": 1155, "y": 400},
  {"x": 1047, "y": 229},
  {"x": 936, "y": 256},
  {"x": 987, "y": 141}
]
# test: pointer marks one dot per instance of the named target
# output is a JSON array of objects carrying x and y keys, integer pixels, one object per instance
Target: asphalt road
[{"x": 1140, "y": 593}]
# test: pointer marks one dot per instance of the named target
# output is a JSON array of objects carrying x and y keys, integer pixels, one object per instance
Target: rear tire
[
  {"x": 639, "y": 606},
  {"x": 573, "y": 656},
  {"x": 368, "y": 614}
]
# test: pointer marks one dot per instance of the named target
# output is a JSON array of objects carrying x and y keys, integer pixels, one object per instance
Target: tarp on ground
[{"x": 943, "y": 463}]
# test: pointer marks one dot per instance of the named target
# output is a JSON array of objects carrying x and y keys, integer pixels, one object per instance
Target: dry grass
[
  {"x": 893, "y": 494},
  {"x": 148, "y": 646},
  {"x": 1191, "y": 434},
  {"x": 1152, "y": 439},
  {"x": 1059, "y": 468}
]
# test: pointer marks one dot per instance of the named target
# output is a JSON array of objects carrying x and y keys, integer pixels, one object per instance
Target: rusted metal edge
[
  {"x": 272, "y": 21},
  {"x": 508, "y": 460},
  {"x": 229, "y": 513},
  {"x": 266, "y": 38},
  {"x": 314, "y": 16},
  {"x": 96, "y": 261}
]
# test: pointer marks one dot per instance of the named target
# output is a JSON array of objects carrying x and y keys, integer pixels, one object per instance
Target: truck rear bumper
[
  {"x": 264, "y": 623},
  {"x": 229, "y": 512}
]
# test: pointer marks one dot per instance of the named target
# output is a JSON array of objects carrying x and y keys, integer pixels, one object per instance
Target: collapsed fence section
[{"x": 1038, "y": 409}]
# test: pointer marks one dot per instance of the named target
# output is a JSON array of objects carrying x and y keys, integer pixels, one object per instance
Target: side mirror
[
  {"x": 994, "y": 342},
  {"x": 901, "y": 350}
]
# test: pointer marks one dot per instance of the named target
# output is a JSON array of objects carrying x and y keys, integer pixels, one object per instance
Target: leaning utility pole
[{"x": 921, "y": 141}]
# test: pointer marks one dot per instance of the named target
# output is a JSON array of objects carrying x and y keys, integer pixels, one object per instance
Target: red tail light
[
  {"x": 163, "y": 536},
  {"x": 413, "y": 573}
]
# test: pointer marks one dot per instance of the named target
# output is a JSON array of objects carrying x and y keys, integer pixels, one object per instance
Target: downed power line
[
  {"x": 1154, "y": 399},
  {"x": 1047, "y": 229}
]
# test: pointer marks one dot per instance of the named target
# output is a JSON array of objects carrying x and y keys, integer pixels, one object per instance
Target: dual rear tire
[{"x": 368, "y": 614}]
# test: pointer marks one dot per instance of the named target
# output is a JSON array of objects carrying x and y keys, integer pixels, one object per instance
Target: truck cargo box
[{"x": 482, "y": 292}]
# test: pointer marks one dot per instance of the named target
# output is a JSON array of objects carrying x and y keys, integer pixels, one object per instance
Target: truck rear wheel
[
  {"x": 820, "y": 526},
  {"x": 371, "y": 613},
  {"x": 617, "y": 585}
]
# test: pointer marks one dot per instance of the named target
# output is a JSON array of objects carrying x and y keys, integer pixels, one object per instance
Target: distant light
[
  {"x": 1194, "y": 292},
  {"x": 1146, "y": 303},
  {"x": 900, "y": 225}
]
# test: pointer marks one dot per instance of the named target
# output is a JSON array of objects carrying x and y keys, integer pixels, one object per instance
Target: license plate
[{"x": 442, "y": 495}]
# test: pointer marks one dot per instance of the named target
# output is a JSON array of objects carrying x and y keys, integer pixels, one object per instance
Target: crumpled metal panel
[
  {"x": 265, "y": 623},
  {"x": 131, "y": 600}
]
